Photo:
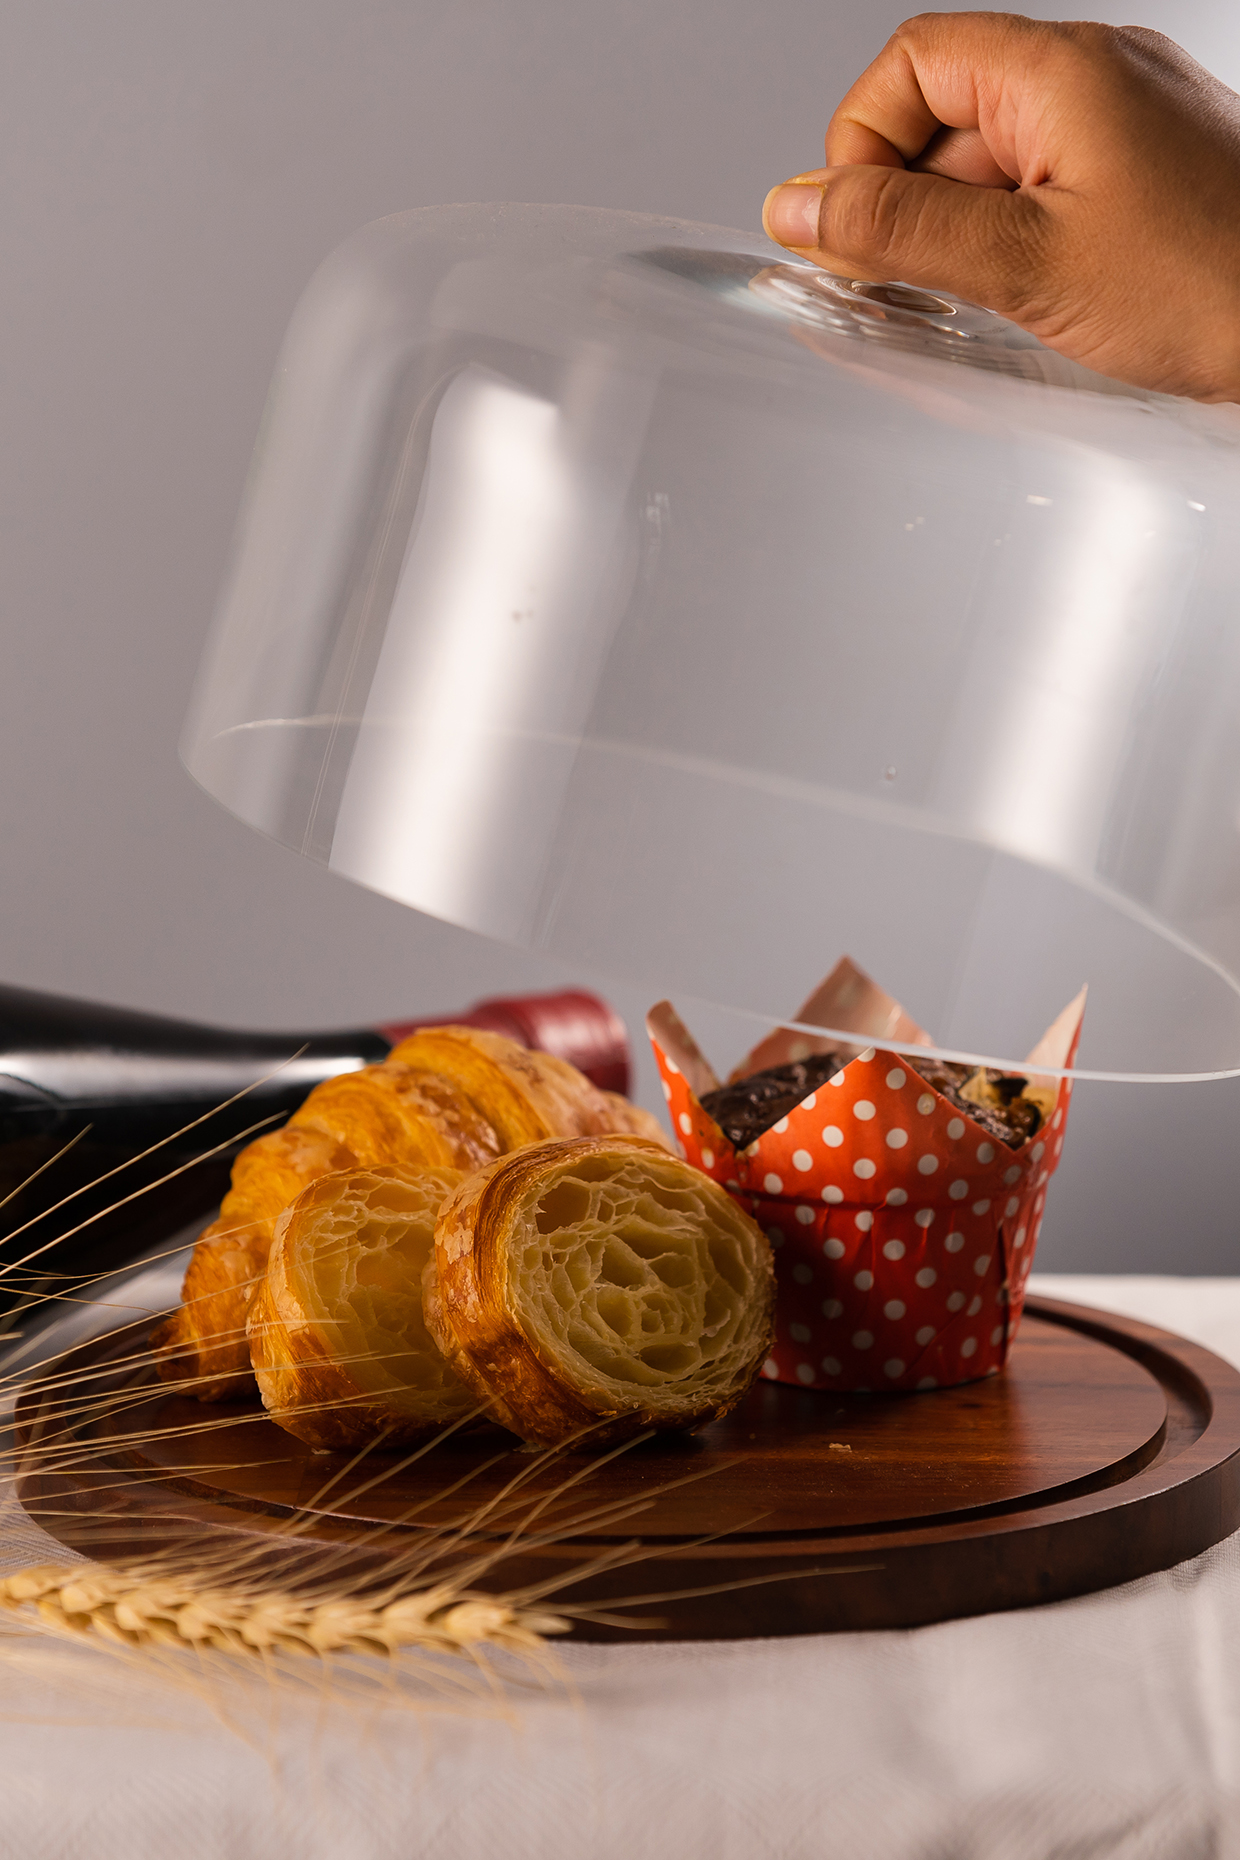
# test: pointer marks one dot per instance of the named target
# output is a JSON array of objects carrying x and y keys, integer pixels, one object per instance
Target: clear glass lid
[{"x": 618, "y": 588}]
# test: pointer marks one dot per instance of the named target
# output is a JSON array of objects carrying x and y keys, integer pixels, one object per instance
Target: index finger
[{"x": 939, "y": 70}]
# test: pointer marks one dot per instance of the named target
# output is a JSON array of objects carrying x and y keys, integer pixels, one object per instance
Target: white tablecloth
[{"x": 1105, "y": 1726}]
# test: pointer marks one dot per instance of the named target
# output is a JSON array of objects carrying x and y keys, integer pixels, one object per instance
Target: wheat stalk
[
  {"x": 138, "y": 1608},
  {"x": 211, "y": 1594}
]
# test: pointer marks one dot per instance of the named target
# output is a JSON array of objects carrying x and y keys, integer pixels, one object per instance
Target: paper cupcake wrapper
[{"x": 903, "y": 1231}]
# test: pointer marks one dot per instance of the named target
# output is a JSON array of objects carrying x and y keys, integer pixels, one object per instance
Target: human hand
[{"x": 1082, "y": 180}]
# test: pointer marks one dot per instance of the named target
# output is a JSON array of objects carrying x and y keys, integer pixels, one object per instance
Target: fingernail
[{"x": 790, "y": 214}]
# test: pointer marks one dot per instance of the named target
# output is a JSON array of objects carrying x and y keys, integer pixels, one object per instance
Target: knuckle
[
  {"x": 914, "y": 39},
  {"x": 1104, "y": 47},
  {"x": 1111, "y": 38},
  {"x": 1142, "y": 45},
  {"x": 916, "y": 26}
]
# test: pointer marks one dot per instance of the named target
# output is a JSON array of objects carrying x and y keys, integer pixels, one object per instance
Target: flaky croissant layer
[{"x": 337, "y": 1336}]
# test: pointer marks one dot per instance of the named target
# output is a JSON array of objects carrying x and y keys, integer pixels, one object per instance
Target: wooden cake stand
[{"x": 1106, "y": 1450}]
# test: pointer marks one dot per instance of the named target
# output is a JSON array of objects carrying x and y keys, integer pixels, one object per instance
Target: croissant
[
  {"x": 391, "y": 1113},
  {"x": 337, "y": 1336},
  {"x": 386, "y": 1113},
  {"x": 203, "y": 1343},
  {"x": 599, "y": 1286},
  {"x": 527, "y": 1096}
]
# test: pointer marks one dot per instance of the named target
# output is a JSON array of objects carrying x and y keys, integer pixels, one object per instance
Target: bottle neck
[
  {"x": 80, "y": 1061},
  {"x": 65, "y": 1062}
]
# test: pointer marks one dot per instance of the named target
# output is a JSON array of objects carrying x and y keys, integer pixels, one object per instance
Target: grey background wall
[{"x": 172, "y": 171}]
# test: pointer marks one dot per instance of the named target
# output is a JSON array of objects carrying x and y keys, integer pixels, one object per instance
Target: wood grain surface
[{"x": 1106, "y": 1450}]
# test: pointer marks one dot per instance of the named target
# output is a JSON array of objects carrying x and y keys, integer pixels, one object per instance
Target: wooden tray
[{"x": 1106, "y": 1450}]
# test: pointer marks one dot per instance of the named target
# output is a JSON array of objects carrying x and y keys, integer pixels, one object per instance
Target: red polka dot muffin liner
[{"x": 903, "y": 1231}]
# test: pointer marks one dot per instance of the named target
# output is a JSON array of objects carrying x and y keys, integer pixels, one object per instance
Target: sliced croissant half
[
  {"x": 203, "y": 1344},
  {"x": 598, "y": 1287},
  {"x": 337, "y": 1336},
  {"x": 381, "y": 1114}
]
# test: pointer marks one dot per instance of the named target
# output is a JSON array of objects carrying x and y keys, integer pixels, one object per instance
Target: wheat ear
[{"x": 140, "y": 1609}]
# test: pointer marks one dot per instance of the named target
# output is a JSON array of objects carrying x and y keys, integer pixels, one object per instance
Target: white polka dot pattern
[{"x": 899, "y": 1222}]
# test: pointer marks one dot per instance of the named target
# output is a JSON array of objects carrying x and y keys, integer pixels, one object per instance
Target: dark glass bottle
[{"x": 113, "y": 1083}]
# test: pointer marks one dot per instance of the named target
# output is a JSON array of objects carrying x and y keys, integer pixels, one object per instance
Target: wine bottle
[{"x": 118, "y": 1128}]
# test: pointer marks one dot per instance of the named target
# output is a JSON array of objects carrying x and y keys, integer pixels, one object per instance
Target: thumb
[{"x": 987, "y": 244}]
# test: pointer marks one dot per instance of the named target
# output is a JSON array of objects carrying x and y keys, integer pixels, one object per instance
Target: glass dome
[{"x": 619, "y": 588}]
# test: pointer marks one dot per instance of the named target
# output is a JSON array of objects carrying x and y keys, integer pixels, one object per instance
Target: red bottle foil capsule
[{"x": 571, "y": 1023}]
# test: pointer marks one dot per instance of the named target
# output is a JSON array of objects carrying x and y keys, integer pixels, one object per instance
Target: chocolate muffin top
[
  {"x": 993, "y": 1099},
  {"x": 750, "y": 1106}
]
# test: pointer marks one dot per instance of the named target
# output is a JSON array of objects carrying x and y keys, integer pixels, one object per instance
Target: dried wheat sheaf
[
  {"x": 139, "y": 1608},
  {"x": 281, "y": 1600}
]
